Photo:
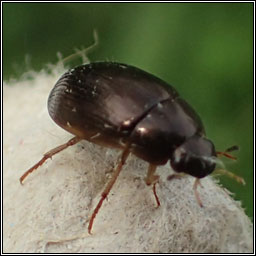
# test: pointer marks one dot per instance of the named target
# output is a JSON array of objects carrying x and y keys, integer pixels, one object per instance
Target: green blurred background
[{"x": 204, "y": 49}]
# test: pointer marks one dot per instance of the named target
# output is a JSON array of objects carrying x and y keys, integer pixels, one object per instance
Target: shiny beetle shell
[{"x": 115, "y": 104}]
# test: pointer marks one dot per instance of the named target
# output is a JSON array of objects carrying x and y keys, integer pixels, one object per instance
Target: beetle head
[{"x": 196, "y": 156}]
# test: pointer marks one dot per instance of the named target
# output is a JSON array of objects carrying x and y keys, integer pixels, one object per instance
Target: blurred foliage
[{"x": 204, "y": 49}]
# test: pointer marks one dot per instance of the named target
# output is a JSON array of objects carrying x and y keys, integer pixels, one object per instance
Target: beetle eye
[{"x": 179, "y": 154}]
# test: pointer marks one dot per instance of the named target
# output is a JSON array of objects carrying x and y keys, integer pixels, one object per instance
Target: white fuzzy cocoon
[{"x": 50, "y": 212}]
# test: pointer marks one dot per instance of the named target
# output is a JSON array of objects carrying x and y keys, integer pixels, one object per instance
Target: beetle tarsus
[
  {"x": 153, "y": 179},
  {"x": 32, "y": 169},
  {"x": 155, "y": 194}
]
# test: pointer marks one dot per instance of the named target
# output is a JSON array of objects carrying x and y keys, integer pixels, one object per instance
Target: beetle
[{"x": 121, "y": 106}]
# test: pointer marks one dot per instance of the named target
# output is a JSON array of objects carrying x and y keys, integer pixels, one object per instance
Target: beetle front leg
[
  {"x": 153, "y": 179},
  {"x": 49, "y": 154},
  {"x": 197, "y": 182},
  {"x": 176, "y": 176}
]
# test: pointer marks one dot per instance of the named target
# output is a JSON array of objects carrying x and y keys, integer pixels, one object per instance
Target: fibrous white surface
[{"x": 50, "y": 212}]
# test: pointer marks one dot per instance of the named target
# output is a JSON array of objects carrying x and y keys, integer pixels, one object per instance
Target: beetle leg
[
  {"x": 153, "y": 179},
  {"x": 176, "y": 176},
  {"x": 106, "y": 191},
  {"x": 197, "y": 182},
  {"x": 49, "y": 154},
  {"x": 155, "y": 194}
]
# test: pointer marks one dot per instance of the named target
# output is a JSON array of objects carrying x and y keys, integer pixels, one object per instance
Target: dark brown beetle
[{"x": 117, "y": 105}]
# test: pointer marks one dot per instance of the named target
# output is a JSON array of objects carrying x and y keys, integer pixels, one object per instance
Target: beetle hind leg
[
  {"x": 153, "y": 179},
  {"x": 49, "y": 154}
]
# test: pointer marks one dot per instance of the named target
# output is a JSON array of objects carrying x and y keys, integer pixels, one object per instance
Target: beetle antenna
[
  {"x": 226, "y": 152},
  {"x": 233, "y": 148}
]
